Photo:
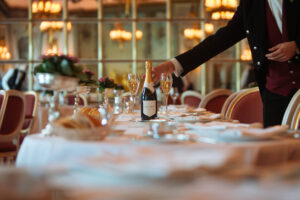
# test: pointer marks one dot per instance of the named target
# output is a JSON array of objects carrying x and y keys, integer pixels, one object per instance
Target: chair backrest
[
  {"x": 246, "y": 106},
  {"x": 228, "y": 102},
  {"x": 71, "y": 99},
  {"x": 12, "y": 116},
  {"x": 191, "y": 98},
  {"x": 291, "y": 113},
  {"x": 2, "y": 97},
  {"x": 31, "y": 107},
  {"x": 214, "y": 100},
  {"x": 296, "y": 119},
  {"x": 31, "y": 103}
]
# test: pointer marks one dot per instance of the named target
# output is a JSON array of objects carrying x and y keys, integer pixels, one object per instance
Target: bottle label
[{"x": 149, "y": 108}]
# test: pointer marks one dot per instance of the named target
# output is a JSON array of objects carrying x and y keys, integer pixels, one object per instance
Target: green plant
[{"x": 61, "y": 65}]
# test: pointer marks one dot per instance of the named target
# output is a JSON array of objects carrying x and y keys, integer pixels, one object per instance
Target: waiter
[{"x": 272, "y": 28}]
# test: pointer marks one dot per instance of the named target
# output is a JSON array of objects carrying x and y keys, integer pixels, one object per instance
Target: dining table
[{"x": 190, "y": 152}]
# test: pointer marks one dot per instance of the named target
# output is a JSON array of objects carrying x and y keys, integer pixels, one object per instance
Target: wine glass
[
  {"x": 174, "y": 94},
  {"x": 165, "y": 86},
  {"x": 133, "y": 84},
  {"x": 79, "y": 90}
]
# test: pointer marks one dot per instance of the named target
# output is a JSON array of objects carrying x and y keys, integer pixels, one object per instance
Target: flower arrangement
[
  {"x": 106, "y": 82},
  {"x": 119, "y": 87},
  {"x": 59, "y": 64},
  {"x": 88, "y": 78}
]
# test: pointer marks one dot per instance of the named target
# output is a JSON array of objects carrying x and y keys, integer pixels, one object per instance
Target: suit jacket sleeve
[{"x": 214, "y": 44}]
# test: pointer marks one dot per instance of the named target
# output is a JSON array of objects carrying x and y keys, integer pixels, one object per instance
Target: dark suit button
[
  {"x": 255, "y": 47},
  {"x": 297, "y": 57},
  {"x": 247, "y": 32},
  {"x": 258, "y": 63}
]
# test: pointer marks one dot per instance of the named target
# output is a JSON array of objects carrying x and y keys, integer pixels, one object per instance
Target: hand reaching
[
  {"x": 166, "y": 67},
  {"x": 282, "y": 52}
]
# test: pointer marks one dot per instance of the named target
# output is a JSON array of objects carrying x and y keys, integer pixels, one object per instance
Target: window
[{"x": 84, "y": 29}]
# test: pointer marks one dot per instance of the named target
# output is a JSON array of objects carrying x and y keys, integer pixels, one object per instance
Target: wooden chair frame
[
  {"x": 34, "y": 113},
  {"x": 236, "y": 99},
  {"x": 190, "y": 93},
  {"x": 15, "y": 135},
  {"x": 292, "y": 112},
  {"x": 213, "y": 94}
]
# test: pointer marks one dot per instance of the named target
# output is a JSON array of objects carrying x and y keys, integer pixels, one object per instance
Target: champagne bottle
[{"x": 148, "y": 99}]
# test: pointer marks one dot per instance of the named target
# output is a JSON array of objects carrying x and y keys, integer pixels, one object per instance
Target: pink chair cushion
[
  {"x": 12, "y": 115},
  {"x": 71, "y": 100},
  {"x": 26, "y": 123},
  {"x": 248, "y": 109},
  {"x": 7, "y": 147},
  {"x": 170, "y": 101},
  {"x": 215, "y": 104},
  {"x": 192, "y": 101},
  {"x": 1, "y": 100},
  {"x": 29, "y": 107}
]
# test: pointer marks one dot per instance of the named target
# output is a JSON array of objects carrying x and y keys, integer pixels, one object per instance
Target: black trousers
[{"x": 274, "y": 106}]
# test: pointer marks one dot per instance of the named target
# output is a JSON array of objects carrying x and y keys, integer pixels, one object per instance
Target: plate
[
  {"x": 231, "y": 135},
  {"x": 98, "y": 133}
]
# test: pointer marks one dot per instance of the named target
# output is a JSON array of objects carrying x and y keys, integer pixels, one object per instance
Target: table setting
[{"x": 94, "y": 149}]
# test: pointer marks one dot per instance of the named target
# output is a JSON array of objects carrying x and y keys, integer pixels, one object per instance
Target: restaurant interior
[{"x": 79, "y": 119}]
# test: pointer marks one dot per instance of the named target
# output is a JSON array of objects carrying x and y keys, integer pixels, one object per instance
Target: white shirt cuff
[{"x": 178, "y": 67}]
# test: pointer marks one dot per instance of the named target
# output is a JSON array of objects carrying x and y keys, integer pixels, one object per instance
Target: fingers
[{"x": 275, "y": 47}]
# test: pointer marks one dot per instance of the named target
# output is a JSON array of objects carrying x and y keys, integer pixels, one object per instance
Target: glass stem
[
  {"x": 76, "y": 103},
  {"x": 133, "y": 102},
  {"x": 166, "y": 103}
]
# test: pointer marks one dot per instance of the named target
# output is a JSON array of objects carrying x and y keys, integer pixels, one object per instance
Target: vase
[{"x": 56, "y": 83}]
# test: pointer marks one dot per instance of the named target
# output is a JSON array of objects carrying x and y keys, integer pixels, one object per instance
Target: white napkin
[
  {"x": 261, "y": 133},
  {"x": 202, "y": 126}
]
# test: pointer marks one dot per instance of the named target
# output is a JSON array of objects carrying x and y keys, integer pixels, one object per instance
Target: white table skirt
[{"x": 38, "y": 151}]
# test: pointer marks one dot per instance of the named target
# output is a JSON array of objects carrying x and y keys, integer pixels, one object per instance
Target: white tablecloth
[{"x": 38, "y": 151}]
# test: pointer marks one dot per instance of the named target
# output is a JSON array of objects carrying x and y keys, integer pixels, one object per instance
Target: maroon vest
[{"x": 282, "y": 76}]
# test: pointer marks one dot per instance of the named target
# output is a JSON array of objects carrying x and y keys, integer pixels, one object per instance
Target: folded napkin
[
  {"x": 202, "y": 126},
  {"x": 222, "y": 132},
  {"x": 262, "y": 133}
]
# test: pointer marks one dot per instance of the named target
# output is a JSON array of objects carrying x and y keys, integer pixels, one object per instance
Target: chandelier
[
  {"x": 54, "y": 26},
  {"x": 120, "y": 35},
  {"x": 123, "y": 35},
  {"x": 4, "y": 53},
  {"x": 45, "y": 7},
  {"x": 221, "y": 9},
  {"x": 196, "y": 33}
]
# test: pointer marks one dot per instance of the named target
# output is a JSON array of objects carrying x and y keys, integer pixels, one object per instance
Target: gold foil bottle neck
[{"x": 148, "y": 66}]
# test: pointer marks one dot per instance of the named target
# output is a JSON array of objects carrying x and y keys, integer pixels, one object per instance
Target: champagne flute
[
  {"x": 133, "y": 84},
  {"x": 174, "y": 94},
  {"x": 165, "y": 85}
]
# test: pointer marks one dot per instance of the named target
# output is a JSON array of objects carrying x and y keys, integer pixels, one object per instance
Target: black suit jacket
[{"x": 249, "y": 21}]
